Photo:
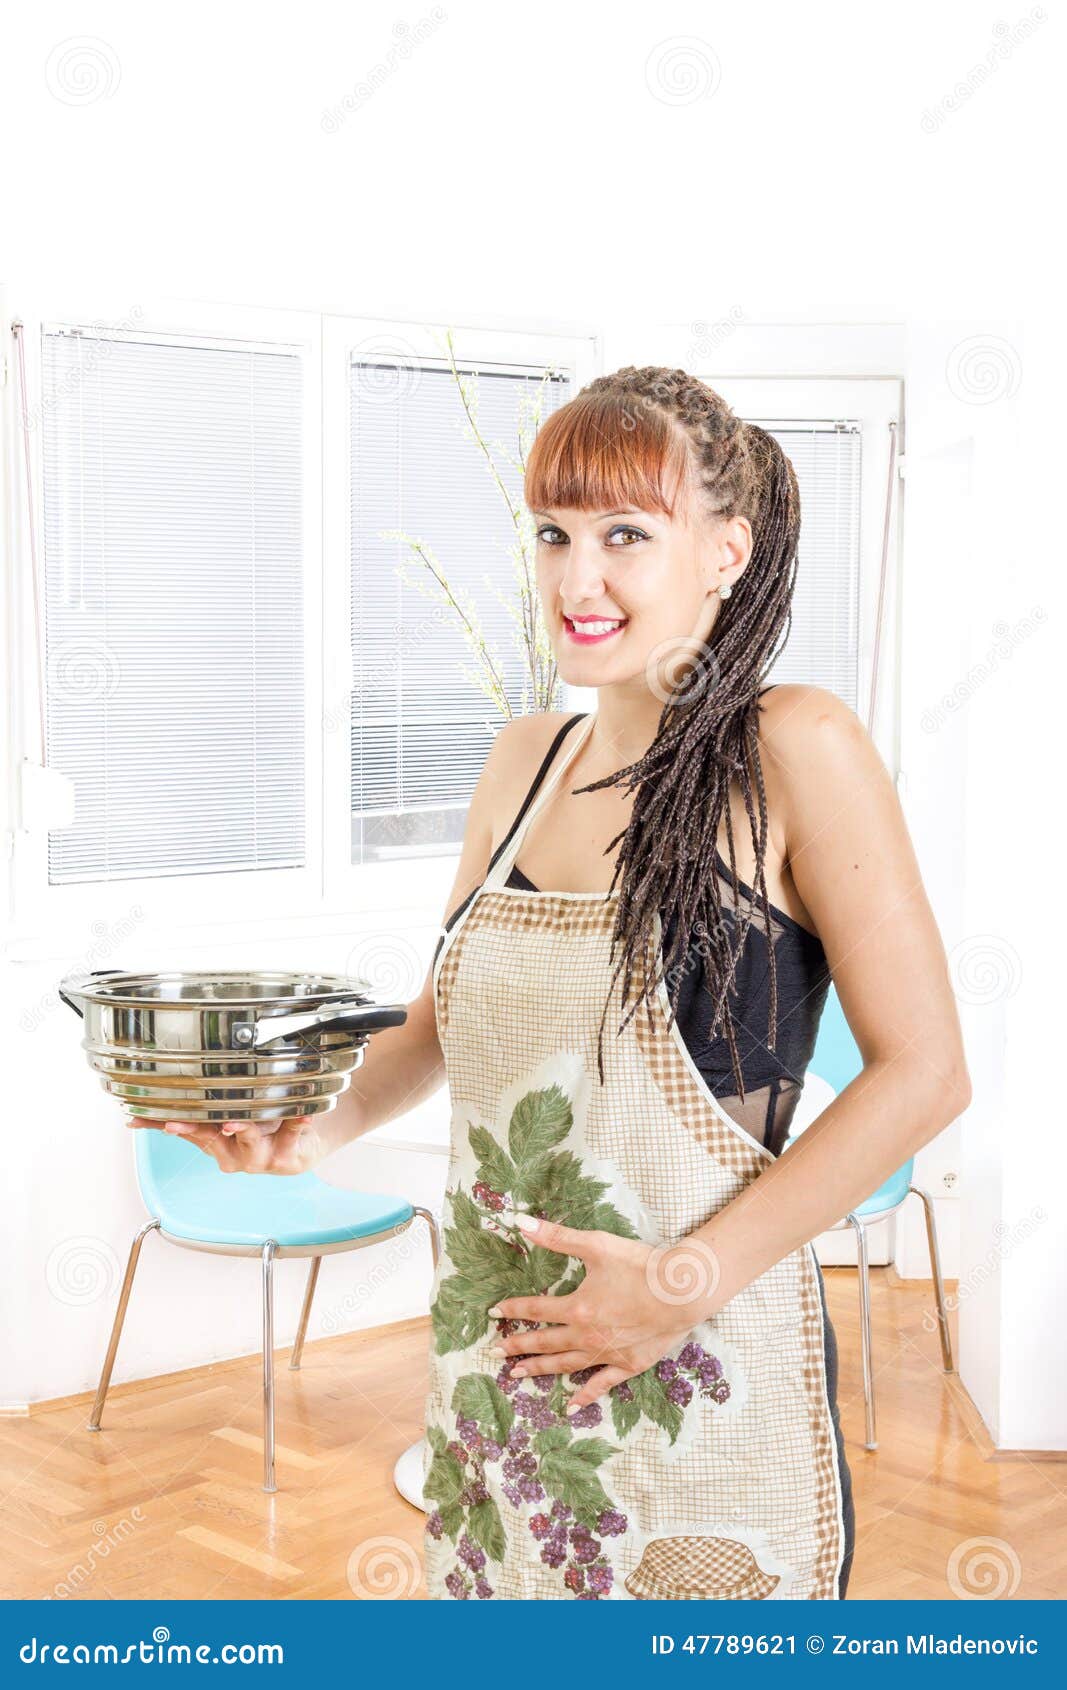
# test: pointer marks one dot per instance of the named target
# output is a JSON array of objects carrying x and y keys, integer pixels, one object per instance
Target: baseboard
[
  {"x": 979, "y": 1432},
  {"x": 894, "y": 1278}
]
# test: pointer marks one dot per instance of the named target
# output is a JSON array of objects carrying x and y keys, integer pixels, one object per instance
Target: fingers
[
  {"x": 550, "y": 1235},
  {"x": 598, "y": 1385},
  {"x": 293, "y": 1124},
  {"x": 563, "y": 1361},
  {"x": 555, "y": 1310},
  {"x": 532, "y": 1343},
  {"x": 234, "y": 1154},
  {"x": 249, "y": 1147},
  {"x": 205, "y": 1138}
]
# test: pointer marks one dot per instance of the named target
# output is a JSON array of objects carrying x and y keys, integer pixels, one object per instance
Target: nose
[{"x": 582, "y": 578}]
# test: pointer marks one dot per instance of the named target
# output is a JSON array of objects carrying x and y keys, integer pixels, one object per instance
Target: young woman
[{"x": 633, "y": 1377}]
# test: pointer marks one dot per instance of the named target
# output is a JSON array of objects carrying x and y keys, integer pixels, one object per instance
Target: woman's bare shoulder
[
  {"x": 522, "y": 742},
  {"x": 814, "y": 750},
  {"x": 518, "y": 750}
]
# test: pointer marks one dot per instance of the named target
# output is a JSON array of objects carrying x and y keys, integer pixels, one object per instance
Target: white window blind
[
  {"x": 420, "y": 728},
  {"x": 173, "y": 598},
  {"x": 822, "y": 649}
]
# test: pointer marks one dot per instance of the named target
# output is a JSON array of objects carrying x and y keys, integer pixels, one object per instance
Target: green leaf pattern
[{"x": 512, "y": 1441}]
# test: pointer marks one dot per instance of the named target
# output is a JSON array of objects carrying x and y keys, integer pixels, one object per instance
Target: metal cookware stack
[{"x": 212, "y": 1047}]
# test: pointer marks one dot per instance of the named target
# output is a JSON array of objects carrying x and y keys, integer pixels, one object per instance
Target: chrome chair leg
[
  {"x": 268, "y": 1365},
  {"x": 435, "y": 1231},
  {"x": 863, "y": 1264},
  {"x": 117, "y": 1325},
  {"x": 305, "y": 1312},
  {"x": 939, "y": 1283}
]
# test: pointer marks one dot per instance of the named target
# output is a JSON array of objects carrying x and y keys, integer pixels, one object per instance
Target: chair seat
[{"x": 188, "y": 1194}]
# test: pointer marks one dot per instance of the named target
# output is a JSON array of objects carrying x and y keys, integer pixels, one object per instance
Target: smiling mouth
[{"x": 587, "y": 630}]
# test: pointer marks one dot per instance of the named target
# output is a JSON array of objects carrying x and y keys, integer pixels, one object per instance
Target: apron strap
[{"x": 540, "y": 792}]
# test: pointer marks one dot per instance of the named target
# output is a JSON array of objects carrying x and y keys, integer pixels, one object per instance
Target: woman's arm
[
  {"x": 843, "y": 833},
  {"x": 853, "y": 864}
]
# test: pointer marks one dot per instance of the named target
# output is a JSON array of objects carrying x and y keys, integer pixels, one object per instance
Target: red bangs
[{"x": 606, "y": 452}]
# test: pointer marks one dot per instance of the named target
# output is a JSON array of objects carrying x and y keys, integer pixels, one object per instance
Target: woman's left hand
[{"x": 634, "y": 1304}]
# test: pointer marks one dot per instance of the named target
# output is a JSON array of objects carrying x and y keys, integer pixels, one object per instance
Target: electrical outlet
[{"x": 950, "y": 1181}]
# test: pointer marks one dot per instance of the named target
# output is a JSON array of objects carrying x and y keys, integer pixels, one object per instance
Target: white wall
[{"x": 551, "y": 169}]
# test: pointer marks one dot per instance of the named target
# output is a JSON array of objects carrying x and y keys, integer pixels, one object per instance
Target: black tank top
[{"x": 773, "y": 1079}]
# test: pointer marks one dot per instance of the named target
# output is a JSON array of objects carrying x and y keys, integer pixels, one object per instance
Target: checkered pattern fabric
[{"x": 715, "y": 1569}]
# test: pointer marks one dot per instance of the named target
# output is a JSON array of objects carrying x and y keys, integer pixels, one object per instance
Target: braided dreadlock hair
[{"x": 638, "y": 437}]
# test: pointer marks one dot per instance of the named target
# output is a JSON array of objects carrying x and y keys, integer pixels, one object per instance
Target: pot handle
[
  {"x": 75, "y": 981},
  {"x": 357, "y": 1016}
]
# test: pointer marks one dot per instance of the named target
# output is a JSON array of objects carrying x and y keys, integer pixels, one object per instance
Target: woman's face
[{"x": 626, "y": 593}]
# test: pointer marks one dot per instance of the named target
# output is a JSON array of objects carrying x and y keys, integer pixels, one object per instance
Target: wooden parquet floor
[{"x": 165, "y": 1501}]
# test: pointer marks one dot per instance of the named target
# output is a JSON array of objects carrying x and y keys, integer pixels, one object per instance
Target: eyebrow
[{"x": 597, "y": 516}]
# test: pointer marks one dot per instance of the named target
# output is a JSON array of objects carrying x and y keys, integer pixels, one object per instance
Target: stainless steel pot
[{"x": 225, "y": 1047}]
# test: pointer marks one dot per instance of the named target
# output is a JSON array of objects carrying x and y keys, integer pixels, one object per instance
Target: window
[
  {"x": 822, "y": 648},
  {"x": 838, "y": 433},
  {"x": 172, "y": 477},
  {"x": 421, "y": 725},
  {"x": 299, "y": 718}
]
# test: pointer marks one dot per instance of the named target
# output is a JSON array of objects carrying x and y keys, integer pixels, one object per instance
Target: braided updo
[{"x": 639, "y": 438}]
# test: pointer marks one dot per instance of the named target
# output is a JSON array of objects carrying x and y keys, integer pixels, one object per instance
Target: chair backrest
[{"x": 168, "y": 1168}]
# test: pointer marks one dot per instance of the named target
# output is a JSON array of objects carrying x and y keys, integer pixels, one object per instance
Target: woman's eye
[
  {"x": 624, "y": 535},
  {"x": 551, "y": 535}
]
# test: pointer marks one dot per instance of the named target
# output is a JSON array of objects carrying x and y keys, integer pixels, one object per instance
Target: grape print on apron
[{"x": 711, "y": 1475}]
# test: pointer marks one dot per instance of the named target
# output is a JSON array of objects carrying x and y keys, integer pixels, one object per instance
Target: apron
[{"x": 713, "y": 1474}]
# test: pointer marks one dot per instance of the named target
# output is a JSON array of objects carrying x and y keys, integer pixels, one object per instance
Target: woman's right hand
[{"x": 292, "y": 1146}]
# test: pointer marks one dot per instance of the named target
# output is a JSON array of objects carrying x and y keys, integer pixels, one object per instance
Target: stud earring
[{"x": 725, "y": 590}]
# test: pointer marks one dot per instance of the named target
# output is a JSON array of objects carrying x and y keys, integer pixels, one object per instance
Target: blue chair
[
  {"x": 836, "y": 1061},
  {"x": 195, "y": 1205}
]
